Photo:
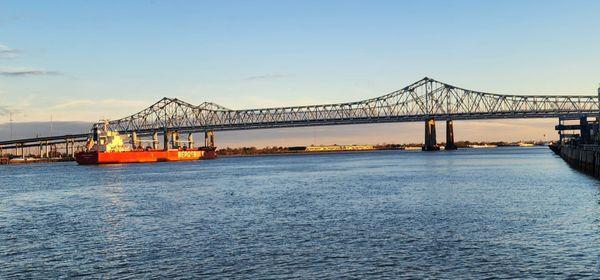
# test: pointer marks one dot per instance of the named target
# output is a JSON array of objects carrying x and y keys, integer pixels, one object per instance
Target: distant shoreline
[
  {"x": 410, "y": 149},
  {"x": 300, "y": 150}
]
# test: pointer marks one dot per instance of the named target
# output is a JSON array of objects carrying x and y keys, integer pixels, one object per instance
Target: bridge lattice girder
[{"x": 424, "y": 99}]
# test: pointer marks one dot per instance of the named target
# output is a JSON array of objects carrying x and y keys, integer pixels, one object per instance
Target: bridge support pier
[
  {"x": 72, "y": 148},
  {"x": 155, "y": 140},
  {"x": 47, "y": 146},
  {"x": 209, "y": 138},
  {"x": 135, "y": 141},
  {"x": 190, "y": 141},
  {"x": 67, "y": 147},
  {"x": 430, "y": 139},
  {"x": 165, "y": 139},
  {"x": 175, "y": 140},
  {"x": 450, "y": 136}
]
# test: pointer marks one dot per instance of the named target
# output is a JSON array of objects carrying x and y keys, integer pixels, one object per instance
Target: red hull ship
[
  {"x": 107, "y": 147},
  {"x": 142, "y": 156}
]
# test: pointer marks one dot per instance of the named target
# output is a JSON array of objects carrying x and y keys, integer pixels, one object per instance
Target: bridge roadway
[
  {"x": 34, "y": 142},
  {"x": 425, "y": 100}
]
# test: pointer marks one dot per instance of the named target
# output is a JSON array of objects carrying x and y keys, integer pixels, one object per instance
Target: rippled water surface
[{"x": 507, "y": 212}]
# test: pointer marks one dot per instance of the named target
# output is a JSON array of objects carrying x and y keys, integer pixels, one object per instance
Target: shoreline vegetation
[{"x": 243, "y": 151}]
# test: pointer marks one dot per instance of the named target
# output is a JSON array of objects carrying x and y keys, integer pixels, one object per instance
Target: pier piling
[
  {"x": 209, "y": 138},
  {"x": 190, "y": 140},
  {"x": 165, "y": 139},
  {"x": 155, "y": 140},
  {"x": 430, "y": 138},
  {"x": 450, "y": 136}
]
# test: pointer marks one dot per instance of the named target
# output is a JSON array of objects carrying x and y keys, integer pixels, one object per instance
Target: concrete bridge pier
[
  {"x": 19, "y": 147},
  {"x": 165, "y": 139},
  {"x": 430, "y": 139},
  {"x": 175, "y": 139},
  {"x": 190, "y": 141},
  {"x": 67, "y": 147},
  {"x": 72, "y": 148},
  {"x": 155, "y": 140},
  {"x": 450, "y": 136},
  {"x": 135, "y": 140},
  {"x": 209, "y": 138}
]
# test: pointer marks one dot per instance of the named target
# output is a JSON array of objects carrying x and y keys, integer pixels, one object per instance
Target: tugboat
[{"x": 107, "y": 147}]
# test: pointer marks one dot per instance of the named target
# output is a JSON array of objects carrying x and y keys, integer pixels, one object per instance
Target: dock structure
[{"x": 580, "y": 146}]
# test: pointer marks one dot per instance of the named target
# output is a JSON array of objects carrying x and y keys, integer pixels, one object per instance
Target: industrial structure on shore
[
  {"x": 579, "y": 144},
  {"x": 426, "y": 100}
]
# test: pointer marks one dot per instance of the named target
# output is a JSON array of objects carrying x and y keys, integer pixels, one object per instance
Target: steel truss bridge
[
  {"x": 419, "y": 101},
  {"x": 426, "y": 99}
]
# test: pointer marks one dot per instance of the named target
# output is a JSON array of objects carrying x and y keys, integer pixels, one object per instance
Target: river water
[{"x": 475, "y": 213}]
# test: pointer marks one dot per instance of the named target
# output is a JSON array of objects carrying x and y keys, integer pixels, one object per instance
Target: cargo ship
[{"x": 107, "y": 147}]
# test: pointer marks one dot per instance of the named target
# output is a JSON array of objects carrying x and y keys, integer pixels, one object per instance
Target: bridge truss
[{"x": 422, "y": 100}]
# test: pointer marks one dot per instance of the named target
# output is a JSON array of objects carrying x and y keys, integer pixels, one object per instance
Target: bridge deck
[{"x": 424, "y": 99}]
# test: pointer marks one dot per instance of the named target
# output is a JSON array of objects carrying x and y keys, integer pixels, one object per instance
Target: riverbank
[
  {"x": 585, "y": 158},
  {"x": 251, "y": 151}
]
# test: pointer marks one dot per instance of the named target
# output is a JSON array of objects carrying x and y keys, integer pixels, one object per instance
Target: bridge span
[{"x": 426, "y": 100}]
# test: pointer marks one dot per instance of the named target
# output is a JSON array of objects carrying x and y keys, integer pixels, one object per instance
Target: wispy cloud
[
  {"x": 267, "y": 77},
  {"x": 6, "y": 52},
  {"x": 21, "y": 72}
]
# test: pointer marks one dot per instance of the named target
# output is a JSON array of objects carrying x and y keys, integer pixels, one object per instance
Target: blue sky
[{"x": 86, "y": 60}]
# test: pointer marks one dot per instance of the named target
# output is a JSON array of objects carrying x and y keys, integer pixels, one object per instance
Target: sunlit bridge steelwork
[
  {"x": 419, "y": 101},
  {"x": 425, "y": 100}
]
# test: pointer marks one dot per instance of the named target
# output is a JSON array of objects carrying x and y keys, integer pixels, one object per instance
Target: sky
[{"x": 89, "y": 60}]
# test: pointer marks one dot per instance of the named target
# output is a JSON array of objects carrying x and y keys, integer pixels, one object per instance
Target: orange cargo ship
[
  {"x": 141, "y": 156},
  {"x": 106, "y": 147}
]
